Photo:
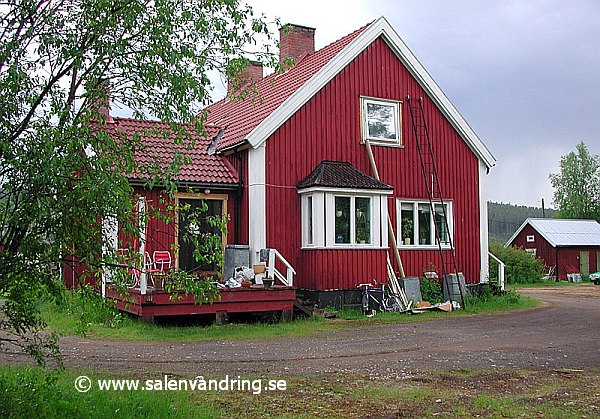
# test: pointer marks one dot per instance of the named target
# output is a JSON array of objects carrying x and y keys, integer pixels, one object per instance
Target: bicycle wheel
[
  {"x": 365, "y": 301},
  {"x": 389, "y": 301}
]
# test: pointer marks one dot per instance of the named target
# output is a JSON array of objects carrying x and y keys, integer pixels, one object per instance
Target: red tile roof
[
  {"x": 158, "y": 149},
  {"x": 241, "y": 117}
]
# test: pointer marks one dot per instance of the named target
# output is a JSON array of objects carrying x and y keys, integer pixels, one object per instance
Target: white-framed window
[
  {"x": 335, "y": 218},
  {"x": 532, "y": 252},
  {"x": 381, "y": 121},
  {"x": 353, "y": 220},
  {"x": 530, "y": 238},
  {"x": 416, "y": 225}
]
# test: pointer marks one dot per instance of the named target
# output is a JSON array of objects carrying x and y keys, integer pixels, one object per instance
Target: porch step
[{"x": 305, "y": 306}]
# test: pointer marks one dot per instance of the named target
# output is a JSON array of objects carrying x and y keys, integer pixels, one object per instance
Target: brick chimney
[
  {"x": 253, "y": 73},
  {"x": 295, "y": 40},
  {"x": 102, "y": 104}
]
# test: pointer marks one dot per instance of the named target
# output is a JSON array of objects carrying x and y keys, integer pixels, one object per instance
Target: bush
[
  {"x": 431, "y": 290},
  {"x": 85, "y": 305},
  {"x": 521, "y": 267}
]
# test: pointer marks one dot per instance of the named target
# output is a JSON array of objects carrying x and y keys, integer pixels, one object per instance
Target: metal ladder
[{"x": 449, "y": 268}]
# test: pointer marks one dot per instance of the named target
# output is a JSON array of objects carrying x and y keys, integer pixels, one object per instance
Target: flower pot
[
  {"x": 246, "y": 284},
  {"x": 268, "y": 282}
]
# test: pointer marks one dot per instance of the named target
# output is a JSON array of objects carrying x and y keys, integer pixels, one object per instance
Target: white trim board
[
  {"x": 257, "y": 202},
  {"x": 484, "y": 273},
  {"x": 381, "y": 27}
]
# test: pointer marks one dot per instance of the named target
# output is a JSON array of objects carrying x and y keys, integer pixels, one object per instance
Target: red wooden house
[
  {"x": 292, "y": 170},
  {"x": 567, "y": 246}
]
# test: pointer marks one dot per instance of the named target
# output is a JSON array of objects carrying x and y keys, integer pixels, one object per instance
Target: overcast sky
[{"x": 524, "y": 74}]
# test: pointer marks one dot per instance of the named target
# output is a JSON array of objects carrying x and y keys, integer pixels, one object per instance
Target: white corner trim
[
  {"x": 484, "y": 273},
  {"x": 381, "y": 27},
  {"x": 257, "y": 202}
]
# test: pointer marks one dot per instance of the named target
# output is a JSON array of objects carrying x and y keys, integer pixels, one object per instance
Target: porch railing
[
  {"x": 500, "y": 271},
  {"x": 272, "y": 271}
]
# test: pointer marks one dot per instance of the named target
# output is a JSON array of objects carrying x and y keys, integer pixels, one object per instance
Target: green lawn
[
  {"x": 32, "y": 392},
  {"x": 77, "y": 315}
]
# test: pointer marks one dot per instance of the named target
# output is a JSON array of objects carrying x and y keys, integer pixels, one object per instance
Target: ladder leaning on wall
[{"x": 449, "y": 268}]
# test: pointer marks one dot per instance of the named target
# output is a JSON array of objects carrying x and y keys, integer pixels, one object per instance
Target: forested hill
[{"x": 505, "y": 219}]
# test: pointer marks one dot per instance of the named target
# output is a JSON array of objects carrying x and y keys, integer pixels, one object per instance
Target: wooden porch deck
[{"x": 156, "y": 303}]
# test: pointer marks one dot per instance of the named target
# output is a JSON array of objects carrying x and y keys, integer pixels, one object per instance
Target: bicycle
[{"x": 383, "y": 298}]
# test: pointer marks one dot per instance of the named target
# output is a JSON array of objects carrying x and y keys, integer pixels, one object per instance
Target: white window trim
[
  {"x": 530, "y": 238},
  {"x": 364, "y": 100},
  {"x": 416, "y": 202},
  {"x": 323, "y": 206},
  {"x": 532, "y": 251}
]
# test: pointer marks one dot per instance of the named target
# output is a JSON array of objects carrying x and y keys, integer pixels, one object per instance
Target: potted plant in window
[
  {"x": 423, "y": 234},
  {"x": 407, "y": 231}
]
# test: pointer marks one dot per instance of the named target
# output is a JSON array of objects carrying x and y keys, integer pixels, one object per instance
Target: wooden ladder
[{"x": 449, "y": 268}]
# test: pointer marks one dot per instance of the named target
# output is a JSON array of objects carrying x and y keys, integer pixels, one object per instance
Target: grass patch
[
  {"x": 33, "y": 392},
  {"x": 549, "y": 284},
  {"x": 83, "y": 314}
]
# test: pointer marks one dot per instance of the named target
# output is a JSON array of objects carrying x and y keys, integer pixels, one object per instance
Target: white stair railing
[
  {"x": 500, "y": 271},
  {"x": 272, "y": 271}
]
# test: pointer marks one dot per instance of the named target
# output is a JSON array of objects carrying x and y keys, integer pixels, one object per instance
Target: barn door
[{"x": 584, "y": 262}]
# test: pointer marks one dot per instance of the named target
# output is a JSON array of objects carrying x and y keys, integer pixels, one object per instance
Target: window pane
[
  {"x": 309, "y": 210},
  {"x": 363, "y": 220},
  {"x": 441, "y": 223},
  {"x": 408, "y": 224},
  {"x": 424, "y": 224},
  {"x": 342, "y": 219},
  {"x": 381, "y": 119}
]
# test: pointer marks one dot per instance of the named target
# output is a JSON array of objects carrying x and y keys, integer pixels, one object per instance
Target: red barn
[
  {"x": 567, "y": 245},
  {"x": 292, "y": 170}
]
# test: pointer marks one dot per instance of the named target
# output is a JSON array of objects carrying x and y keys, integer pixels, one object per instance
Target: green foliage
[
  {"x": 86, "y": 307},
  {"x": 203, "y": 289},
  {"x": 431, "y": 290},
  {"x": 34, "y": 392},
  {"x": 521, "y": 267},
  {"x": 62, "y": 171},
  {"x": 577, "y": 186}
]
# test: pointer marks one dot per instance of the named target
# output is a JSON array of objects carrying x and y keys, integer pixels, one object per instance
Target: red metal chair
[
  {"x": 162, "y": 260},
  {"x": 150, "y": 269}
]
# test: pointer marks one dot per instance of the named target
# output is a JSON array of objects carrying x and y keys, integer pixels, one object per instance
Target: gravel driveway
[{"x": 563, "y": 334}]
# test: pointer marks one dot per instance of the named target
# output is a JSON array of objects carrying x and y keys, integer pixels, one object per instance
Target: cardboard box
[{"x": 259, "y": 269}]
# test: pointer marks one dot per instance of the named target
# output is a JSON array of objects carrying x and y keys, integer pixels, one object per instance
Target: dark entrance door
[{"x": 192, "y": 225}]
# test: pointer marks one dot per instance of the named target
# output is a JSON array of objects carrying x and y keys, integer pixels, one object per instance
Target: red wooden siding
[
  {"x": 553, "y": 256},
  {"x": 328, "y": 128},
  {"x": 543, "y": 249}
]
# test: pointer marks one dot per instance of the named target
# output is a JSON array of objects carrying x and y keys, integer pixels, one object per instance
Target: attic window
[
  {"x": 380, "y": 121},
  {"x": 530, "y": 239}
]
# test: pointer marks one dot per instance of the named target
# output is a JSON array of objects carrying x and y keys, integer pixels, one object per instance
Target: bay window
[{"x": 344, "y": 219}]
